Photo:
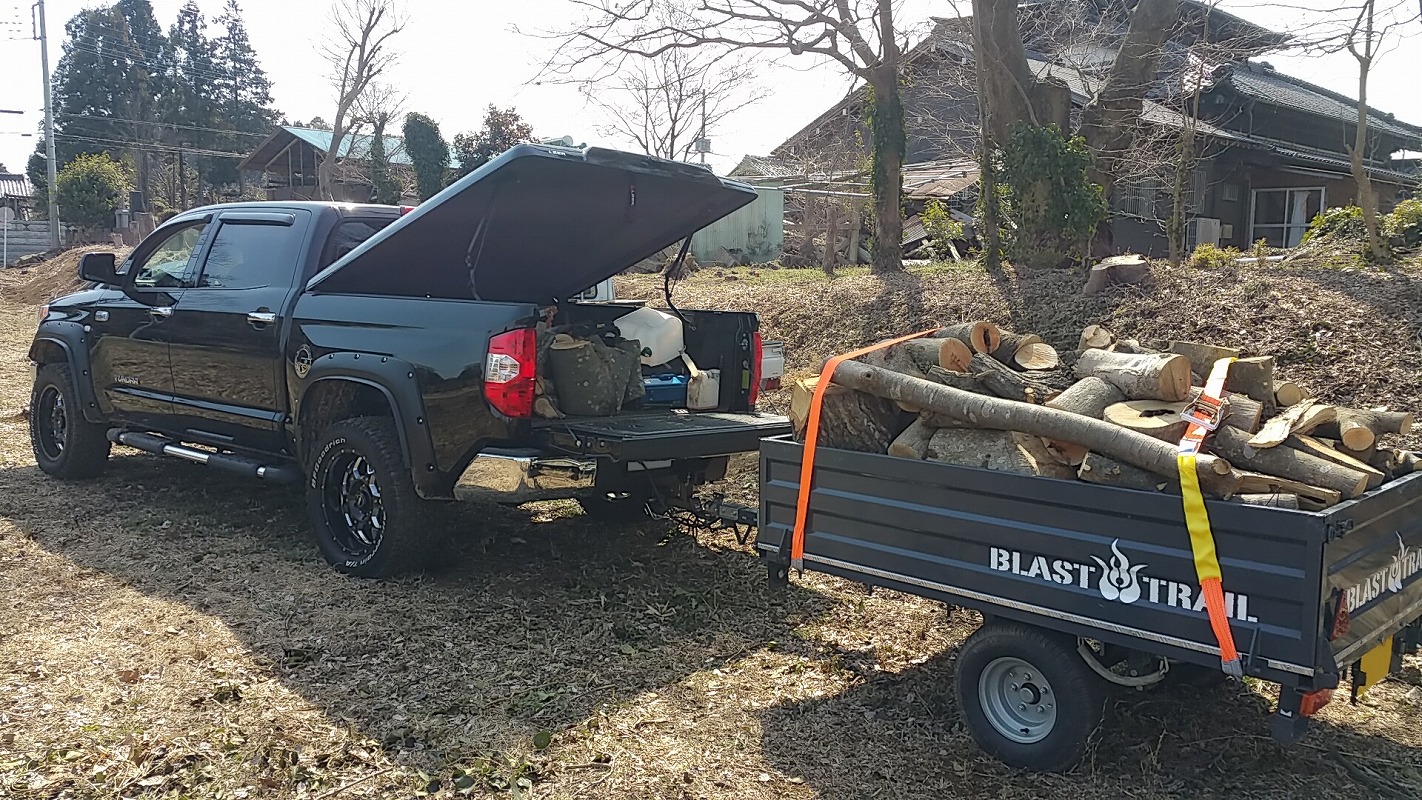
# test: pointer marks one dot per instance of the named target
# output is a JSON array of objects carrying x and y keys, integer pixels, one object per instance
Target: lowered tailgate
[{"x": 662, "y": 434}]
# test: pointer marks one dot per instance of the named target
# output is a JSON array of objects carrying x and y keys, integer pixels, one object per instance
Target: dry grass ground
[{"x": 168, "y": 632}]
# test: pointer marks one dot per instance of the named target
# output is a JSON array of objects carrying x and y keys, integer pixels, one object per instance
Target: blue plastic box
[{"x": 666, "y": 390}]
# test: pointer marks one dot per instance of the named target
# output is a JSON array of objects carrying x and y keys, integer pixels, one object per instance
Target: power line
[
  {"x": 163, "y": 124},
  {"x": 146, "y": 147}
]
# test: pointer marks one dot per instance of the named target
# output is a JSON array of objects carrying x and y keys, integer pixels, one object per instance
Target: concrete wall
[
  {"x": 26, "y": 238},
  {"x": 757, "y": 231}
]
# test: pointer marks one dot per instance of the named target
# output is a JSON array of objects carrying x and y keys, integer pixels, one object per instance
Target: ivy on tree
[
  {"x": 428, "y": 152},
  {"x": 1048, "y": 195}
]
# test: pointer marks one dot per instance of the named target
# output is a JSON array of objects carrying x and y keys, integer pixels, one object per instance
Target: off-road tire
[
  {"x": 407, "y": 540},
  {"x": 1080, "y": 694},
  {"x": 75, "y": 450}
]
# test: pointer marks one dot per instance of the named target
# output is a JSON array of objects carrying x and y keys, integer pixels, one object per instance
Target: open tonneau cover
[
  {"x": 536, "y": 225},
  {"x": 664, "y": 434}
]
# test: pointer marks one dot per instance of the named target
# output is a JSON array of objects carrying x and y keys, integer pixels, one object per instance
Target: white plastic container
[
  {"x": 658, "y": 333},
  {"x": 703, "y": 391}
]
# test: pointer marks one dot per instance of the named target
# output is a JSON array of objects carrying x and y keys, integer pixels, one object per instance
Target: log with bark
[
  {"x": 1004, "y": 381},
  {"x": 1088, "y": 397},
  {"x": 1241, "y": 412},
  {"x": 1288, "y": 393},
  {"x": 1026, "y": 351},
  {"x": 1300, "y": 418},
  {"x": 981, "y": 337},
  {"x": 1311, "y": 498},
  {"x": 1358, "y": 429},
  {"x": 1156, "y": 419},
  {"x": 917, "y": 356},
  {"x": 1272, "y": 500},
  {"x": 1216, "y": 474},
  {"x": 958, "y": 380},
  {"x": 1254, "y": 377},
  {"x": 1142, "y": 376},
  {"x": 1095, "y": 337},
  {"x": 913, "y": 442},
  {"x": 1286, "y": 462},
  {"x": 1202, "y": 356},
  {"x": 1315, "y": 447},
  {"x": 852, "y": 420},
  {"x": 1099, "y": 469},
  {"x": 1003, "y": 451}
]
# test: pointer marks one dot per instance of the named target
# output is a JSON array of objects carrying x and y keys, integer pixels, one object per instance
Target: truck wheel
[
  {"x": 65, "y": 444},
  {"x": 1027, "y": 697},
  {"x": 365, "y": 515},
  {"x": 614, "y": 508}
]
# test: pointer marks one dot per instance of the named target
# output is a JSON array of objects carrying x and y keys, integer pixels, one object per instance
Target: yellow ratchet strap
[{"x": 1204, "y": 415}]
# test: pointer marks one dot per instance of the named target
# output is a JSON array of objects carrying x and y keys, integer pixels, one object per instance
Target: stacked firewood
[{"x": 976, "y": 395}]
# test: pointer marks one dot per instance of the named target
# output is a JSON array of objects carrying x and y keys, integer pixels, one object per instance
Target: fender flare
[
  {"x": 72, "y": 341},
  {"x": 396, "y": 381}
]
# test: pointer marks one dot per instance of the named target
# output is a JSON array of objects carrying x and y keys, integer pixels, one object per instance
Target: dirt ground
[{"x": 169, "y": 632}]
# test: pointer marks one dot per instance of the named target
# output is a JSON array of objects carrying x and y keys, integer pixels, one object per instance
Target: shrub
[
  {"x": 1403, "y": 227},
  {"x": 1209, "y": 256},
  {"x": 1048, "y": 195},
  {"x": 90, "y": 189},
  {"x": 941, "y": 228},
  {"x": 1346, "y": 222}
]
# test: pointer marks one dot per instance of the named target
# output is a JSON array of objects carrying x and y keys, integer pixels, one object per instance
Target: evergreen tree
[
  {"x": 503, "y": 128},
  {"x": 244, "y": 92},
  {"x": 428, "y": 151},
  {"x": 193, "y": 103}
]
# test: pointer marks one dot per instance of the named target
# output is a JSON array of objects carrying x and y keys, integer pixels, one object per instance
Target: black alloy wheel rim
[
  {"x": 354, "y": 505},
  {"x": 51, "y": 423}
]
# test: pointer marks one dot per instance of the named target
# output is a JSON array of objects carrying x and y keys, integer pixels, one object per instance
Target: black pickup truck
[{"x": 387, "y": 357}]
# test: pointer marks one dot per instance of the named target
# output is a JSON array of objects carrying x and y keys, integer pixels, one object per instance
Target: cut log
[
  {"x": 1004, "y": 381},
  {"x": 1003, "y": 451},
  {"x": 1254, "y": 377},
  {"x": 860, "y": 421},
  {"x": 1358, "y": 429},
  {"x": 981, "y": 337},
  {"x": 1314, "y": 447},
  {"x": 1125, "y": 269},
  {"x": 800, "y": 395},
  {"x": 1037, "y": 355},
  {"x": 1139, "y": 377},
  {"x": 1273, "y": 500},
  {"x": 1216, "y": 475},
  {"x": 1241, "y": 412},
  {"x": 1131, "y": 346},
  {"x": 1202, "y": 356},
  {"x": 1096, "y": 468},
  {"x": 1286, "y": 462},
  {"x": 913, "y": 442},
  {"x": 1300, "y": 418},
  {"x": 1095, "y": 337},
  {"x": 1153, "y": 418},
  {"x": 957, "y": 380},
  {"x": 935, "y": 420},
  {"x": 1088, "y": 397},
  {"x": 916, "y": 356},
  {"x": 1288, "y": 393},
  {"x": 1012, "y": 342},
  {"x": 1311, "y": 498}
]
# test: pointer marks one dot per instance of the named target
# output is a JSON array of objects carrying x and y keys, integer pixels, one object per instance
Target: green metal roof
[{"x": 357, "y": 146}]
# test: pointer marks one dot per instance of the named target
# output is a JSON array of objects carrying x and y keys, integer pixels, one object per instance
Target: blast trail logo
[
  {"x": 1116, "y": 579},
  {"x": 1387, "y": 579}
]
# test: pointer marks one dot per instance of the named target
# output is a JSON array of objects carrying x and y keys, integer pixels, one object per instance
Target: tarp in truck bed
[{"x": 536, "y": 225}]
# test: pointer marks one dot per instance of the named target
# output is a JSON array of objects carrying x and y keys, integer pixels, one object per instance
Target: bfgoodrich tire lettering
[
  {"x": 65, "y": 444},
  {"x": 1027, "y": 697},
  {"x": 365, "y": 516}
]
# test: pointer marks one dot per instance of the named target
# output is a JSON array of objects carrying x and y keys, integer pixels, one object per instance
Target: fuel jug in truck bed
[{"x": 388, "y": 359}]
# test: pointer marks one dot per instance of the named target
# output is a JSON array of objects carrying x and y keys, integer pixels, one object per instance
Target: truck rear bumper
[{"x": 523, "y": 476}]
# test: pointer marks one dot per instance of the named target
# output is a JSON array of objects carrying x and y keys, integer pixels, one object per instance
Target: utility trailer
[{"x": 1083, "y": 585}]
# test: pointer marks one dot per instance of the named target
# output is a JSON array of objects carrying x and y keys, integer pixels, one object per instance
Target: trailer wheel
[{"x": 1027, "y": 697}]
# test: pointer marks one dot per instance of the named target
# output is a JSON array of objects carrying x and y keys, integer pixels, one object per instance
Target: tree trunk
[
  {"x": 890, "y": 141},
  {"x": 1286, "y": 462},
  {"x": 1361, "y": 43},
  {"x": 831, "y": 255},
  {"x": 1139, "y": 376},
  {"x": 851, "y": 420},
  {"x": 1359, "y": 430},
  {"x": 1003, "y": 73},
  {"x": 1088, "y": 397},
  {"x": 982, "y": 337},
  {"x": 1216, "y": 475}
]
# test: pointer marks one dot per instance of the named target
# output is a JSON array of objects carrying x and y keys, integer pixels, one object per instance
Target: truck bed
[
  {"x": 661, "y": 434},
  {"x": 1108, "y": 563}
]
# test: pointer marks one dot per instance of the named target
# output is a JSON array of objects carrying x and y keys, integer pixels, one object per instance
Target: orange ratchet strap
[
  {"x": 812, "y": 438},
  {"x": 1204, "y": 415}
]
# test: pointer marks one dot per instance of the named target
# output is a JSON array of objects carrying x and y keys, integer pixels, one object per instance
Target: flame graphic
[
  {"x": 1119, "y": 582},
  {"x": 1394, "y": 570}
]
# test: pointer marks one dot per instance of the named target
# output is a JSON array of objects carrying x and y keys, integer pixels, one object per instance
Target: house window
[{"x": 1281, "y": 216}]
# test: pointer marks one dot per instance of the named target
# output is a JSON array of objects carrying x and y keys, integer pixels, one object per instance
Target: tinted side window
[
  {"x": 350, "y": 234},
  {"x": 247, "y": 256},
  {"x": 165, "y": 265}
]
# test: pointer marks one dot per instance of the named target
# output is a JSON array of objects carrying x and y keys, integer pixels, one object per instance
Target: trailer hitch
[{"x": 711, "y": 513}]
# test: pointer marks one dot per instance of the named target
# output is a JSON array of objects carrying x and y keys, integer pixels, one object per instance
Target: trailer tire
[{"x": 1027, "y": 697}]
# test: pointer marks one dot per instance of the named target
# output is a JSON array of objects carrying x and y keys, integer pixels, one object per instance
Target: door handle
[
  {"x": 261, "y": 317},
  {"x": 160, "y": 312}
]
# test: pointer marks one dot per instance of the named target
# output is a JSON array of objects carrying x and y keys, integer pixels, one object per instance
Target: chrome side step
[{"x": 237, "y": 465}]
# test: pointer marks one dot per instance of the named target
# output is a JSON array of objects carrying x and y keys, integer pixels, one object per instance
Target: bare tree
[
  {"x": 358, "y": 53},
  {"x": 858, "y": 35},
  {"x": 668, "y": 102}
]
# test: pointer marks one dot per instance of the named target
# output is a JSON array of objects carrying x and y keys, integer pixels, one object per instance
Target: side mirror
[{"x": 98, "y": 267}]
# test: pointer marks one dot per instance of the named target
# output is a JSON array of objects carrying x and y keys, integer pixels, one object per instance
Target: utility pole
[
  {"x": 703, "y": 146},
  {"x": 53, "y": 171}
]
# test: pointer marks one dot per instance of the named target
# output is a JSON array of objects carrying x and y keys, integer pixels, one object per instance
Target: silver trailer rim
[{"x": 1017, "y": 700}]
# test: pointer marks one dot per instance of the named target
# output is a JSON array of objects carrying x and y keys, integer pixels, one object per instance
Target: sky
[{"x": 459, "y": 56}]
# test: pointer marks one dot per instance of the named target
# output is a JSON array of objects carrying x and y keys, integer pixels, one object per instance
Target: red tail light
[
  {"x": 510, "y": 372},
  {"x": 406, "y": 209},
  {"x": 757, "y": 353}
]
